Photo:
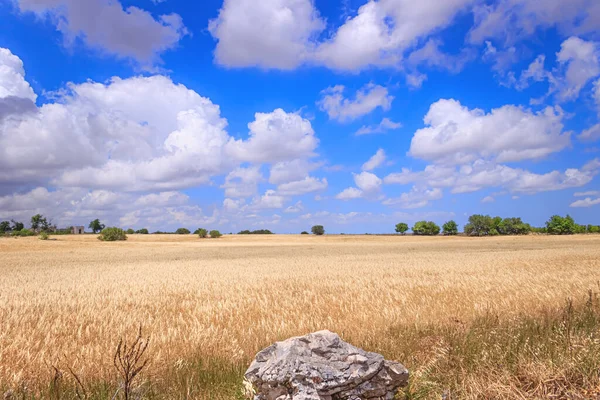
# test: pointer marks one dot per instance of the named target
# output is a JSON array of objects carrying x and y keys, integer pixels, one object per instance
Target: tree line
[{"x": 485, "y": 225}]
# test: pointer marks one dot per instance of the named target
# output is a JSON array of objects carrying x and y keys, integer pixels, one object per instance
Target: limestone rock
[{"x": 321, "y": 366}]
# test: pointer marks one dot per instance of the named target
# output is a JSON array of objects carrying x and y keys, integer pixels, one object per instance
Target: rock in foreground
[{"x": 321, "y": 366}]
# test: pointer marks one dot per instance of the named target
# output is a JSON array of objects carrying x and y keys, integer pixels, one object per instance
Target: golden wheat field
[{"x": 209, "y": 305}]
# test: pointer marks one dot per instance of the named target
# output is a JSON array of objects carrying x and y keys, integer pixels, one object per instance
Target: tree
[
  {"x": 426, "y": 228},
  {"x": 39, "y": 223},
  {"x": 450, "y": 228},
  {"x": 142, "y": 231},
  {"x": 401, "y": 228},
  {"x": 130, "y": 231},
  {"x": 17, "y": 226},
  {"x": 215, "y": 234},
  {"x": 112, "y": 234},
  {"x": 182, "y": 231},
  {"x": 4, "y": 227},
  {"x": 480, "y": 225},
  {"x": 318, "y": 230},
  {"x": 202, "y": 233},
  {"x": 96, "y": 226},
  {"x": 558, "y": 225},
  {"x": 304, "y": 233},
  {"x": 513, "y": 226}
]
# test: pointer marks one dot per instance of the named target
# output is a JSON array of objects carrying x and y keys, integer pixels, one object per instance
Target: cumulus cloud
[
  {"x": 276, "y": 137},
  {"x": 367, "y": 182},
  {"x": 306, "y": 185},
  {"x": 125, "y": 32},
  {"x": 488, "y": 199},
  {"x": 344, "y": 109},
  {"x": 376, "y": 161},
  {"x": 591, "y": 134},
  {"x": 12, "y": 78},
  {"x": 385, "y": 125},
  {"x": 417, "y": 197},
  {"x": 242, "y": 182},
  {"x": 270, "y": 200},
  {"x": 458, "y": 135},
  {"x": 430, "y": 55},
  {"x": 349, "y": 194},
  {"x": 587, "y": 202},
  {"x": 513, "y": 20},
  {"x": 296, "y": 208},
  {"x": 484, "y": 174},
  {"x": 289, "y": 171},
  {"x": 268, "y": 33}
]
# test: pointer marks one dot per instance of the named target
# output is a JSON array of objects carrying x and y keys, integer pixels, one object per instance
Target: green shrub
[
  {"x": 401, "y": 228},
  {"x": 426, "y": 228},
  {"x": 304, "y": 233},
  {"x": 23, "y": 232},
  {"x": 43, "y": 236},
  {"x": 318, "y": 230},
  {"x": 450, "y": 228},
  {"x": 183, "y": 231},
  {"x": 142, "y": 231},
  {"x": 112, "y": 235},
  {"x": 130, "y": 231},
  {"x": 215, "y": 234},
  {"x": 202, "y": 233},
  {"x": 256, "y": 232},
  {"x": 558, "y": 225}
]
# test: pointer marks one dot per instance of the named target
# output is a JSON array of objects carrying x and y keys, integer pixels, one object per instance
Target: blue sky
[{"x": 287, "y": 113}]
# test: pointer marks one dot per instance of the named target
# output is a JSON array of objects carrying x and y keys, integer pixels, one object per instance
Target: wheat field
[{"x": 502, "y": 317}]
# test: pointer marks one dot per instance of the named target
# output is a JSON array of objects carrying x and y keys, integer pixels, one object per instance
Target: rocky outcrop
[{"x": 321, "y": 366}]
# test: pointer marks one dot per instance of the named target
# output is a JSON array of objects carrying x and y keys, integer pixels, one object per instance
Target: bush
[
  {"x": 480, "y": 225},
  {"x": 593, "y": 229},
  {"x": 304, "y": 233},
  {"x": 513, "y": 226},
  {"x": 182, "y": 231},
  {"x": 256, "y": 232},
  {"x": 202, "y": 232},
  {"x": 23, "y": 232},
  {"x": 558, "y": 225},
  {"x": 450, "y": 228},
  {"x": 130, "y": 231},
  {"x": 43, "y": 236},
  {"x": 215, "y": 234},
  {"x": 426, "y": 228},
  {"x": 142, "y": 231},
  {"x": 318, "y": 230},
  {"x": 401, "y": 228},
  {"x": 112, "y": 234}
]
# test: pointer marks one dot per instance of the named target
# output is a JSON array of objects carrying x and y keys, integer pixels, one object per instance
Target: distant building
[{"x": 78, "y": 230}]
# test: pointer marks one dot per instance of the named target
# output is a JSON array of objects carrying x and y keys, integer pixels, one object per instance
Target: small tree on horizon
[
  {"x": 318, "y": 230},
  {"x": 426, "y": 228},
  {"x": 450, "y": 228},
  {"x": 183, "y": 231},
  {"x": 215, "y": 234},
  {"x": 96, "y": 226},
  {"x": 401, "y": 228},
  {"x": 202, "y": 233}
]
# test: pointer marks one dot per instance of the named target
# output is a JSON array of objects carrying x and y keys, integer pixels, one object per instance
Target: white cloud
[
  {"x": 296, "y": 208},
  {"x": 382, "y": 30},
  {"x": 587, "y": 202},
  {"x": 457, "y": 135},
  {"x": 590, "y": 135},
  {"x": 233, "y": 204},
  {"x": 126, "y": 32},
  {"x": 488, "y": 199},
  {"x": 385, "y": 125},
  {"x": 289, "y": 171},
  {"x": 349, "y": 194},
  {"x": 242, "y": 182},
  {"x": 417, "y": 198},
  {"x": 367, "y": 182},
  {"x": 513, "y": 20},
  {"x": 344, "y": 109},
  {"x": 276, "y": 137},
  {"x": 270, "y": 200},
  {"x": 589, "y": 193},
  {"x": 12, "y": 78},
  {"x": 431, "y": 56},
  {"x": 580, "y": 61},
  {"x": 306, "y": 185},
  {"x": 267, "y": 33},
  {"x": 374, "y": 162},
  {"x": 484, "y": 174},
  {"x": 163, "y": 199}
]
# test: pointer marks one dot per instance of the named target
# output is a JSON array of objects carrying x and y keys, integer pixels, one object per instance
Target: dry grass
[{"x": 472, "y": 318}]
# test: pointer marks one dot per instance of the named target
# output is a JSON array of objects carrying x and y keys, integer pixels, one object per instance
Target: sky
[{"x": 283, "y": 114}]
